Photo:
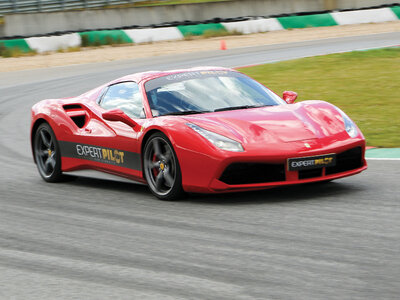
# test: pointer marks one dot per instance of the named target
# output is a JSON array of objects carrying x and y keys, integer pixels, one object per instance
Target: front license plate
[{"x": 312, "y": 162}]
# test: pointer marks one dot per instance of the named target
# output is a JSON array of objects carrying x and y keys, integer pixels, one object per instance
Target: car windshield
[{"x": 206, "y": 91}]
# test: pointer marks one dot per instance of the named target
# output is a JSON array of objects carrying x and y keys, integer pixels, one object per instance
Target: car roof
[{"x": 145, "y": 76}]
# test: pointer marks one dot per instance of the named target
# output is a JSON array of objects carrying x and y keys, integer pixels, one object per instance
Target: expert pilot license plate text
[{"x": 312, "y": 162}]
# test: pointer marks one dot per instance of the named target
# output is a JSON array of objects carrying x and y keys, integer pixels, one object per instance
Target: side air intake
[{"x": 77, "y": 113}]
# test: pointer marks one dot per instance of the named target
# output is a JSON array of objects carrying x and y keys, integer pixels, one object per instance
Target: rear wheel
[
  {"x": 47, "y": 154},
  {"x": 161, "y": 168}
]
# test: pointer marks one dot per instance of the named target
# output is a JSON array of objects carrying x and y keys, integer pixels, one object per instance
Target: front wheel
[
  {"x": 47, "y": 154},
  {"x": 161, "y": 168}
]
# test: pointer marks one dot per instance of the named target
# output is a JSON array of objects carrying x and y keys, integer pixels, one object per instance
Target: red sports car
[{"x": 201, "y": 130}]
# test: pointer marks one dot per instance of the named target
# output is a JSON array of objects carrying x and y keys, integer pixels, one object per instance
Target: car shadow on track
[
  {"x": 301, "y": 192},
  {"x": 107, "y": 184}
]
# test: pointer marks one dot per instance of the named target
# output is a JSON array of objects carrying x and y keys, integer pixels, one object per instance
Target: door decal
[{"x": 100, "y": 154}]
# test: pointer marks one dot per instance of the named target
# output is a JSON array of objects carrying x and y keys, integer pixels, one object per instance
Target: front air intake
[
  {"x": 250, "y": 173},
  {"x": 346, "y": 161}
]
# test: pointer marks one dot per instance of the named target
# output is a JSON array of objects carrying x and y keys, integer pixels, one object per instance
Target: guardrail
[{"x": 32, "y": 6}]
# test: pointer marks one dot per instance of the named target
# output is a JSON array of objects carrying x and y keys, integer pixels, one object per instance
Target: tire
[
  {"x": 161, "y": 168},
  {"x": 47, "y": 154}
]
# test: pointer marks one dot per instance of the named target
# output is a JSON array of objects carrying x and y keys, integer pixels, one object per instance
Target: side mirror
[
  {"x": 289, "y": 97},
  {"x": 119, "y": 115}
]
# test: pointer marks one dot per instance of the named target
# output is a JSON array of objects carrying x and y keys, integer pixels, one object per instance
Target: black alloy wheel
[
  {"x": 161, "y": 168},
  {"x": 47, "y": 154}
]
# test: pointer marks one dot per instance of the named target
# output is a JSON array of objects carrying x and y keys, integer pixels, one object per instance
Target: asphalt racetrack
[{"x": 92, "y": 238}]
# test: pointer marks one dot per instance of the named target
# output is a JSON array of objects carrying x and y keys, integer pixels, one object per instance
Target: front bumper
[{"x": 209, "y": 176}]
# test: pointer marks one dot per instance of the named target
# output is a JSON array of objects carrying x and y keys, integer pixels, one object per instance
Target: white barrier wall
[
  {"x": 54, "y": 43},
  {"x": 43, "y": 23},
  {"x": 364, "y": 16},
  {"x": 254, "y": 26},
  {"x": 148, "y": 35}
]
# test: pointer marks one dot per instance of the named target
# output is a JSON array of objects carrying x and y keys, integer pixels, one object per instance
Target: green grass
[
  {"x": 13, "y": 51},
  {"x": 93, "y": 40},
  {"x": 365, "y": 84},
  {"x": 220, "y": 33},
  {"x": 210, "y": 34},
  {"x": 69, "y": 49}
]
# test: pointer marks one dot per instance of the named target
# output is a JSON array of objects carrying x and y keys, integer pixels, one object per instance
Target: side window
[{"x": 125, "y": 96}]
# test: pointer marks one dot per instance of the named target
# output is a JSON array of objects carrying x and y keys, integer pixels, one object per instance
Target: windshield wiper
[
  {"x": 239, "y": 107},
  {"x": 186, "y": 112}
]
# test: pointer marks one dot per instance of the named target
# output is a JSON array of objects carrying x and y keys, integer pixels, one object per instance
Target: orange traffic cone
[{"x": 223, "y": 45}]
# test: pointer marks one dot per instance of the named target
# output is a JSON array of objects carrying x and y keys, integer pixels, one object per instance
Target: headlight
[
  {"x": 217, "y": 140},
  {"x": 351, "y": 128}
]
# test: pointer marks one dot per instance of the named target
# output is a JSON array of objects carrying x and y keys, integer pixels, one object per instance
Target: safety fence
[{"x": 32, "y": 6}]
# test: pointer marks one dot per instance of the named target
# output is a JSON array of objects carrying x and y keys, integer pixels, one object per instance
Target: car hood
[{"x": 305, "y": 120}]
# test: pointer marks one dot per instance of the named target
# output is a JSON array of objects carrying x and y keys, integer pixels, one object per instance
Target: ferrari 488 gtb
[{"x": 202, "y": 130}]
